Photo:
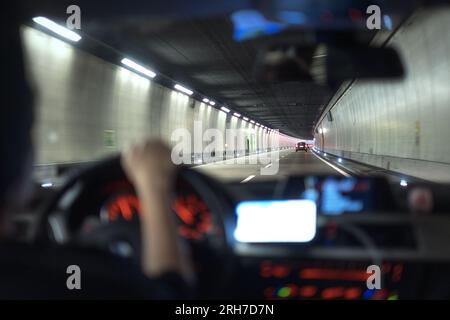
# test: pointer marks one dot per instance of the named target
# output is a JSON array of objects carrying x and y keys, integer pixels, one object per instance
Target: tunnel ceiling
[
  {"x": 199, "y": 53},
  {"x": 202, "y": 55}
]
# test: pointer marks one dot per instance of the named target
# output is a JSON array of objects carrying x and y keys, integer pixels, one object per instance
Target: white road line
[
  {"x": 248, "y": 179},
  {"x": 345, "y": 174}
]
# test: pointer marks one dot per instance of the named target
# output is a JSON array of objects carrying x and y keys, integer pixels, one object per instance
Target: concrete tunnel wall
[
  {"x": 400, "y": 125},
  {"x": 87, "y": 108}
]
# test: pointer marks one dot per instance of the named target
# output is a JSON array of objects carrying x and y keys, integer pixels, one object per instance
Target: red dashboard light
[
  {"x": 381, "y": 294},
  {"x": 195, "y": 216},
  {"x": 293, "y": 288},
  {"x": 333, "y": 293},
  {"x": 124, "y": 206},
  {"x": 268, "y": 270},
  {"x": 281, "y": 271},
  {"x": 333, "y": 274},
  {"x": 308, "y": 291},
  {"x": 353, "y": 293}
]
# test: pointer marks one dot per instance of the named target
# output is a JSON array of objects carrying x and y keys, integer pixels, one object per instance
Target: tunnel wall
[
  {"x": 87, "y": 108},
  {"x": 403, "y": 125}
]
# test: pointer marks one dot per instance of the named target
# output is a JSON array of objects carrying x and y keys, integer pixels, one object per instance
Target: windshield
[{"x": 191, "y": 82}]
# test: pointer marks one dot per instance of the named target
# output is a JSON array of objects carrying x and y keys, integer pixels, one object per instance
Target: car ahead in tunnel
[
  {"x": 230, "y": 89},
  {"x": 301, "y": 146}
]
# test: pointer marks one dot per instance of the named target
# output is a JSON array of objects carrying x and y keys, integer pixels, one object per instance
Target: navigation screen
[
  {"x": 275, "y": 221},
  {"x": 335, "y": 195}
]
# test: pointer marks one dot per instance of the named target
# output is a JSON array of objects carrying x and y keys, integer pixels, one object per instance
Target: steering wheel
[{"x": 61, "y": 224}]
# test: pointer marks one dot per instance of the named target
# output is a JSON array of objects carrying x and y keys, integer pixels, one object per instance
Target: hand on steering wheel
[
  {"x": 80, "y": 194},
  {"x": 149, "y": 167}
]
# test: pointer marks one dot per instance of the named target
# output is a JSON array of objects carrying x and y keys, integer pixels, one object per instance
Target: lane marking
[
  {"x": 248, "y": 179},
  {"x": 345, "y": 174}
]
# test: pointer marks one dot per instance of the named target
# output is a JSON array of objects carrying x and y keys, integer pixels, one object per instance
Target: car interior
[
  {"x": 247, "y": 233},
  {"x": 361, "y": 221}
]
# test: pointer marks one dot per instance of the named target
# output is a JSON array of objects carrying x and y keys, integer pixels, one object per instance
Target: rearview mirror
[
  {"x": 362, "y": 63},
  {"x": 329, "y": 65}
]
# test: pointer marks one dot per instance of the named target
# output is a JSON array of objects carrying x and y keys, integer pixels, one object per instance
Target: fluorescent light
[
  {"x": 339, "y": 160},
  {"x": 212, "y": 103},
  {"x": 245, "y": 118},
  {"x": 58, "y": 29},
  {"x": 325, "y": 154},
  {"x": 183, "y": 89},
  {"x": 403, "y": 183},
  {"x": 257, "y": 124},
  {"x": 47, "y": 185},
  {"x": 237, "y": 115},
  {"x": 225, "y": 109},
  {"x": 251, "y": 121},
  {"x": 205, "y": 100},
  {"x": 133, "y": 65}
]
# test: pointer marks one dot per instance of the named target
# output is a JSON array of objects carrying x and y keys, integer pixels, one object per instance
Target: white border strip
[
  {"x": 345, "y": 174},
  {"x": 248, "y": 179}
]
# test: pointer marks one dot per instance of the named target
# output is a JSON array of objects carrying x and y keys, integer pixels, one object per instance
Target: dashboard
[
  {"x": 356, "y": 222},
  {"x": 116, "y": 205},
  {"x": 123, "y": 206}
]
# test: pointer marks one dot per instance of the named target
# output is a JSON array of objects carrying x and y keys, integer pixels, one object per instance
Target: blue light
[
  {"x": 251, "y": 23},
  {"x": 334, "y": 202},
  {"x": 311, "y": 194},
  {"x": 387, "y": 22},
  {"x": 368, "y": 294}
]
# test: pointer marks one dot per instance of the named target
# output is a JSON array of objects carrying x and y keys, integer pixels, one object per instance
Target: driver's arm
[{"x": 150, "y": 169}]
